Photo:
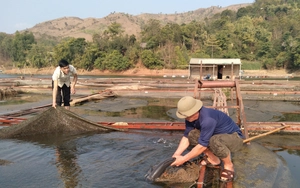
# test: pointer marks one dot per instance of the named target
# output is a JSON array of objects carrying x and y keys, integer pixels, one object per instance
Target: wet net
[
  {"x": 7, "y": 92},
  {"x": 187, "y": 175},
  {"x": 53, "y": 120},
  {"x": 189, "y": 172}
]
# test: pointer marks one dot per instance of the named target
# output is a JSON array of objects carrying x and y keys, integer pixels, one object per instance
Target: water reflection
[
  {"x": 294, "y": 117},
  {"x": 153, "y": 112},
  {"x": 66, "y": 161},
  {"x": 7, "y": 93},
  {"x": 292, "y": 157},
  {"x": 23, "y": 99},
  {"x": 286, "y": 146}
]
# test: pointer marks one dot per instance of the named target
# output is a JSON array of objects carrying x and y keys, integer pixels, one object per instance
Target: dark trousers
[{"x": 63, "y": 95}]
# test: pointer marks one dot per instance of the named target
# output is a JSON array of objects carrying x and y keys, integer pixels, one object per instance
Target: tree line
[{"x": 267, "y": 31}]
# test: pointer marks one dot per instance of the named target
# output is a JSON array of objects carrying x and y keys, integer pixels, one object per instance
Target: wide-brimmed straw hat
[{"x": 188, "y": 106}]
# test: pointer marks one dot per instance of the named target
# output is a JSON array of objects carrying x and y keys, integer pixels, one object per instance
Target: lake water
[
  {"x": 114, "y": 159},
  {"x": 117, "y": 159}
]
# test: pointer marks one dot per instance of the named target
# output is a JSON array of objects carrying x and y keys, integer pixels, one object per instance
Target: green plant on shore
[{"x": 251, "y": 65}]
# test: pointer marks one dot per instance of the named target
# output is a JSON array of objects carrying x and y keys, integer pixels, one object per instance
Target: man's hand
[
  {"x": 179, "y": 160},
  {"x": 73, "y": 91}
]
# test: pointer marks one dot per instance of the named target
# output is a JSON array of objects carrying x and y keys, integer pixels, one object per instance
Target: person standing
[
  {"x": 61, "y": 84},
  {"x": 217, "y": 135},
  {"x": 220, "y": 72}
]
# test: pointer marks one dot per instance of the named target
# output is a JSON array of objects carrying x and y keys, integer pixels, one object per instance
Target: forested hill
[
  {"x": 265, "y": 33},
  {"x": 85, "y": 28}
]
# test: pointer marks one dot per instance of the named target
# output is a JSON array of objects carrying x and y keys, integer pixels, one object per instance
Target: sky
[{"x": 17, "y": 15}]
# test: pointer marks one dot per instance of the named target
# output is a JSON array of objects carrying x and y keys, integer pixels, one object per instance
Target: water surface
[{"x": 118, "y": 159}]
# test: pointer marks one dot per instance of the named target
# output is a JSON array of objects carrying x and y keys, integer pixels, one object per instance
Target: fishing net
[
  {"x": 189, "y": 172},
  {"x": 53, "y": 120},
  {"x": 187, "y": 175},
  {"x": 7, "y": 92}
]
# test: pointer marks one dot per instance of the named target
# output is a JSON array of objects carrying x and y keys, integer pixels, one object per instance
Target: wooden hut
[{"x": 213, "y": 69}]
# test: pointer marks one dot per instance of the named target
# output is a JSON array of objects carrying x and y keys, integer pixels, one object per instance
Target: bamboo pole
[
  {"x": 89, "y": 98},
  {"x": 267, "y": 133}
]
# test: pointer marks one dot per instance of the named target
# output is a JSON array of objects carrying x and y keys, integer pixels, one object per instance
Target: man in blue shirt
[{"x": 218, "y": 136}]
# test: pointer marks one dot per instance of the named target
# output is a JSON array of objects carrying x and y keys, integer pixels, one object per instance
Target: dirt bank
[
  {"x": 148, "y": 72},
  {"x": 134, "y": 72}
]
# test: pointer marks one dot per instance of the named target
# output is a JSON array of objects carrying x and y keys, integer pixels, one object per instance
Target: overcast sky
[{"x": 21, "y": 14}]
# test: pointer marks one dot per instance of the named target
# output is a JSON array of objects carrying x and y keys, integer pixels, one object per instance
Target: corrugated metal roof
[{"x": 212, "y": 61}]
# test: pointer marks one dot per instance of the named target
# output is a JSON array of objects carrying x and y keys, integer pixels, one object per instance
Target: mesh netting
[
  {"x": 53, "y": 120},
  {"x": 189, "y": 172},
  {"x": 7, "y": 92}
]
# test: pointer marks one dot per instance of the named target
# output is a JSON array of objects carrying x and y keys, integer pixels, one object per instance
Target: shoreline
[
  {"x": 95, "y": 72},
  {"x": 148, "y": 72}
]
